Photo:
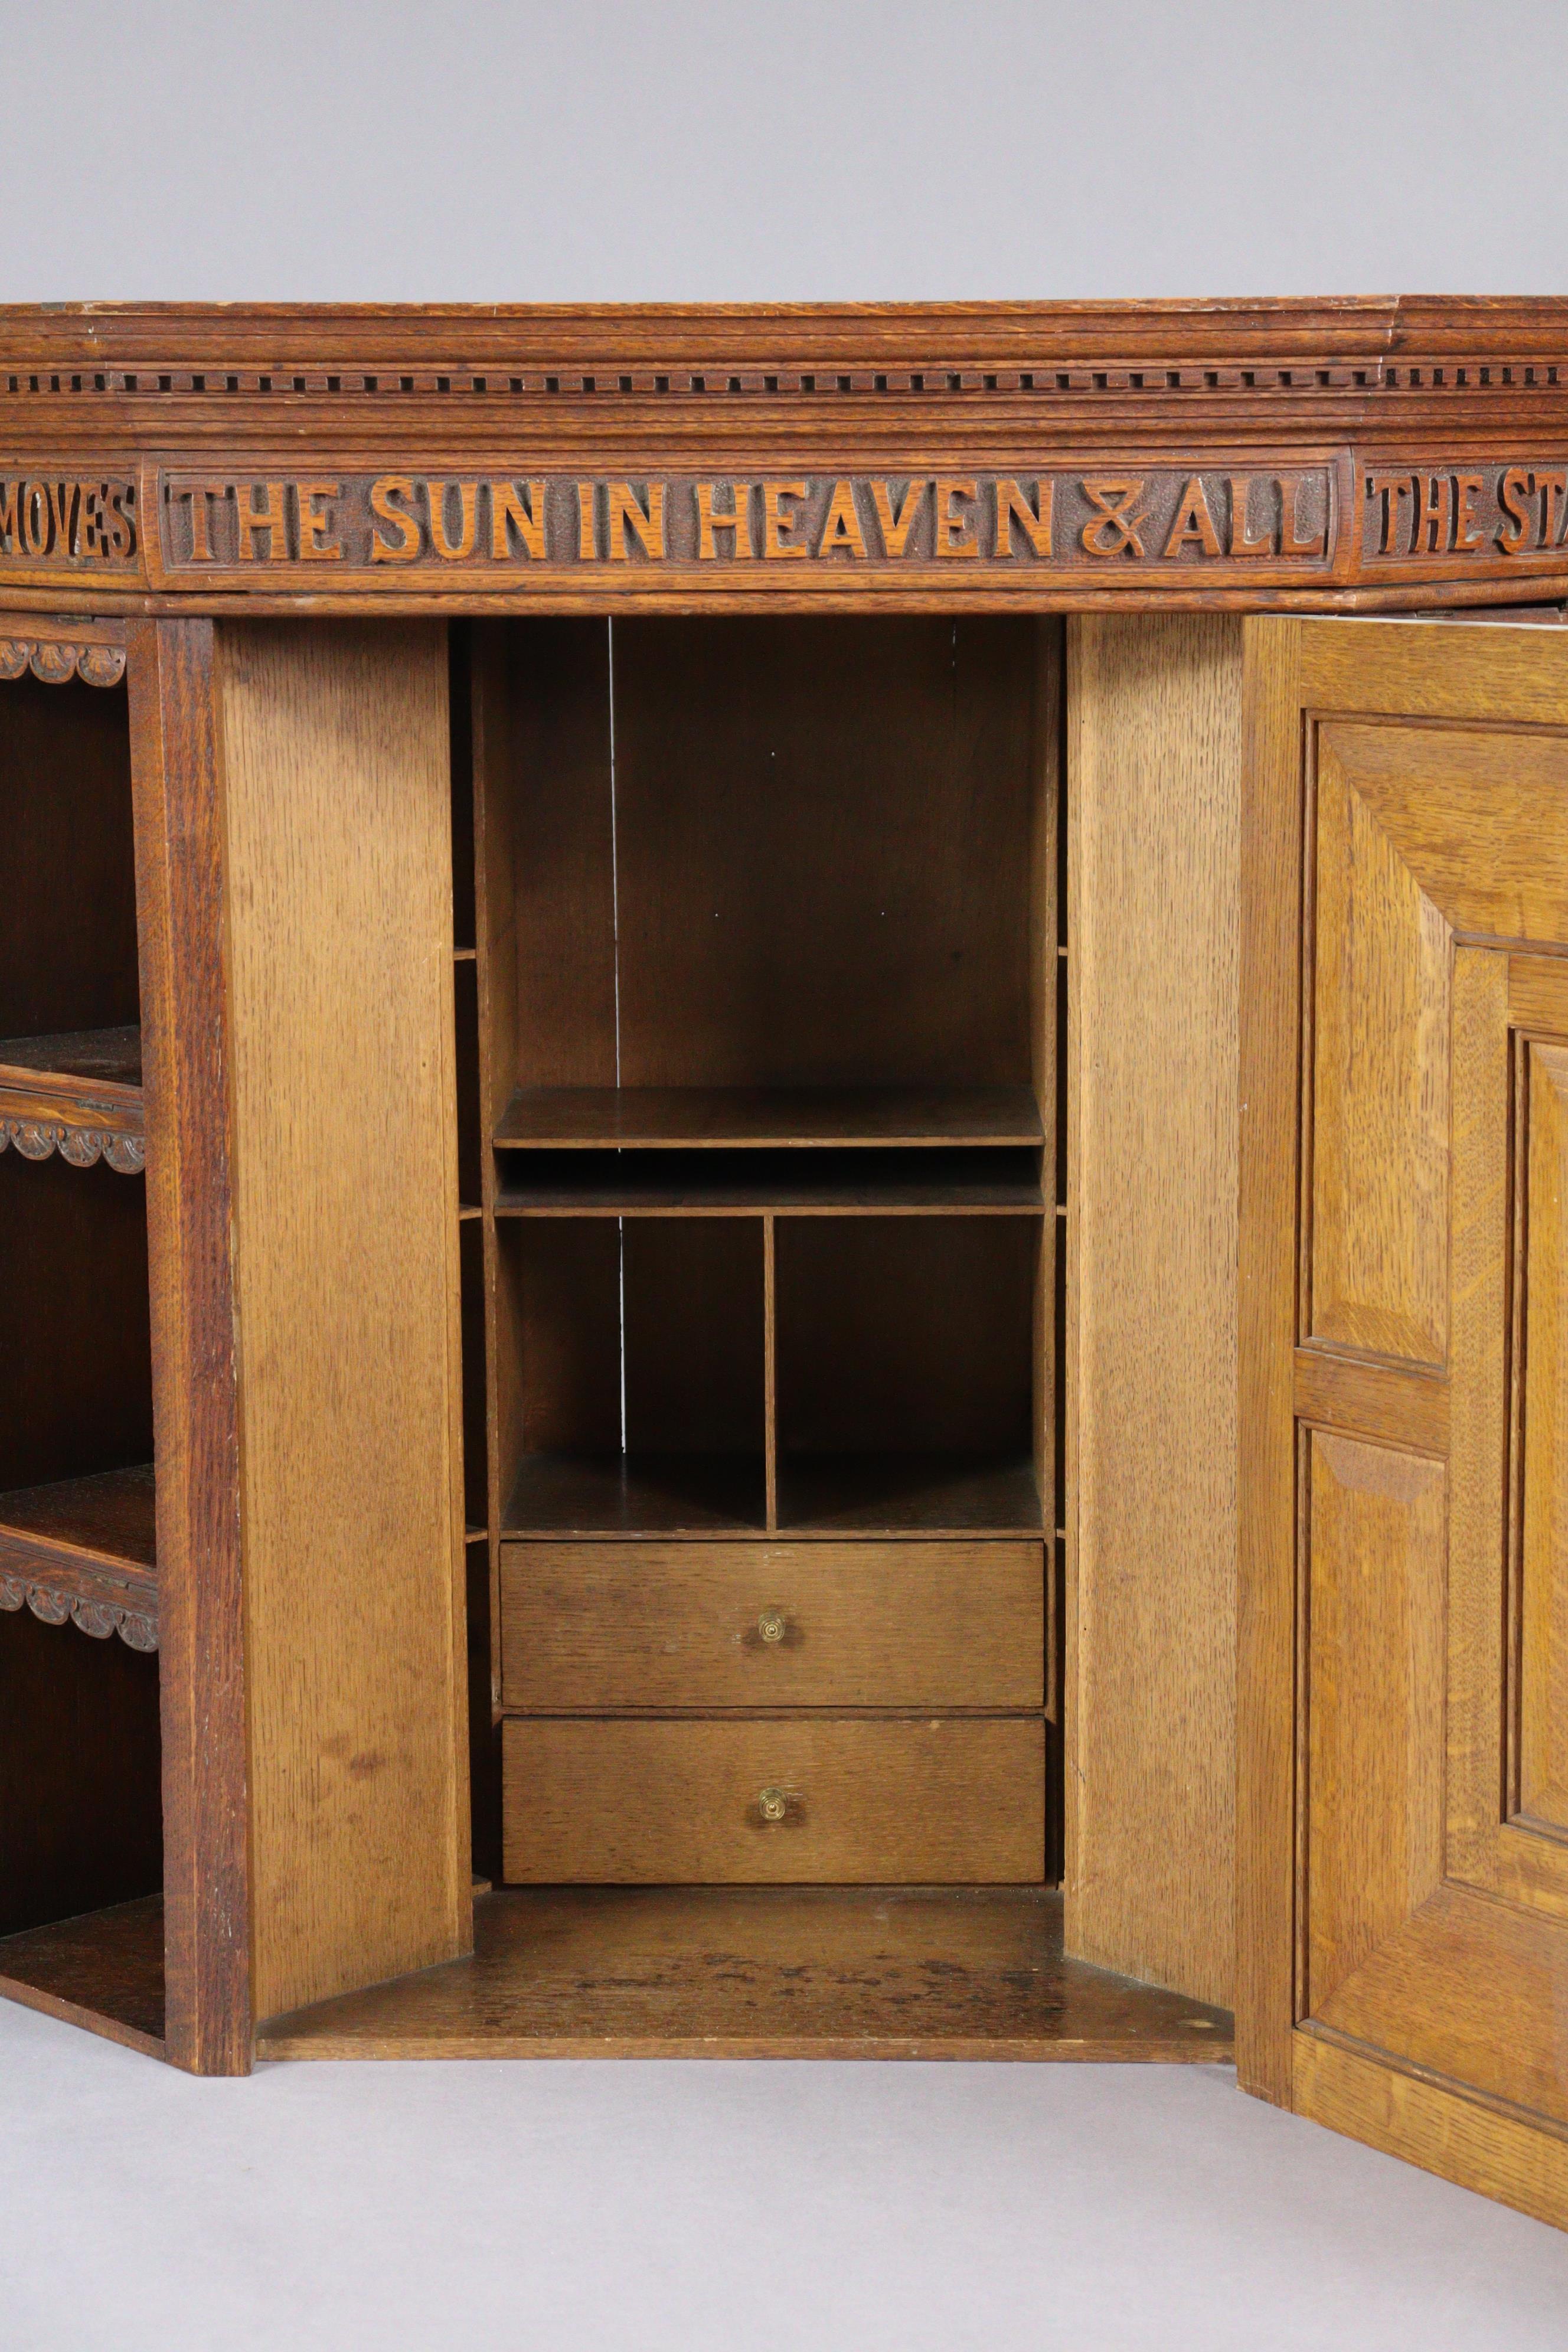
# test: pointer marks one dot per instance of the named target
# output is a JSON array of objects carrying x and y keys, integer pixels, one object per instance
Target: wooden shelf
[
  {"x": 908, "y": 1494},
  {"x": 774, "y": 1971},
  {"x": 86, "y": 1549},
  {"x": 744, "y": 1117},
  {"x": 78, "y": 1093},
  {"x": 841, "y": 1183},
  {"x": 103, "y": 1970},
  {"x": 637, "y": 1495}
]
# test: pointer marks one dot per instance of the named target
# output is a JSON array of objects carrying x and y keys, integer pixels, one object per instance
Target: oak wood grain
[
  {"x": 1434, "y": 2125},
  {"x": 1269, "y": 1195},
  {"x": 339, "y": 921},
  {"x": 731, "y": 1117},
  {"x": 103, "y": 1970},
  {"x": 600, "y": 1626},
  {"x": 1153, "y": 806},
  {"x": 762, "y": 1972},
  {"x": 1375, "y": 1789},
  {"x": 644, "y": 1800},
  {"x": 1378, "y": 1203},
  {"x": 1216, "y": 412},
  {"x": 180, "y": 898},
  {"x": 1430, "y": 1924},
  {"x": 89, "y": 1538},
  {"x": 1405, "y": 1407}
]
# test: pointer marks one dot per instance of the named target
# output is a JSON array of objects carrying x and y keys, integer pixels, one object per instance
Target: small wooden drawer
[
  {"x": 648, "y": 1625},
  {"x": 654, "y": 1802}
]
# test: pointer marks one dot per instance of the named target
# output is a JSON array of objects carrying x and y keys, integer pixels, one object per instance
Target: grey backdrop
[{"x": 580, "y": 150}]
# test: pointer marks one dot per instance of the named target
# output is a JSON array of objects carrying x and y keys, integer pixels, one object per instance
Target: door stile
[{"x": 1269, "y": 1173}]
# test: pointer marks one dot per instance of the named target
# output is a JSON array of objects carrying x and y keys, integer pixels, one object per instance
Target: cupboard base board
[
  {"x": 103, "y": 1970},
  {"x": 760, "y": 1972}
]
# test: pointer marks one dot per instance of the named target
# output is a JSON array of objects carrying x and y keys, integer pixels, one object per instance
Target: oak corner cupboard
[{"x": 783, "y": 1190}]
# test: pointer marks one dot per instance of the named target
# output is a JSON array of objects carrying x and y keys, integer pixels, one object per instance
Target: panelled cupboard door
[{"x": 1403, "y": 1907}]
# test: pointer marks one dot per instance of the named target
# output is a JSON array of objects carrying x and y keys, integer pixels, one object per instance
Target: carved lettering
[
  {"x": 775, "y": 521},
  {"x": 626, "y": 515},
  {"x": 712, "y": 519},
  {"x": 64, "y": 508},
  {"x": 314, "y": 544},
  {"x": 897, "y": 522},
  {"x": 1242, "y": 542},
  {"x": 63, "y": 520},
  {"x": 841, "y": 524},
  {"x": 1060, "y": 522},
  {"x": 1513, "y": 490},
  {"x": 1434, "y": 513},
  {"x": 122, "y": 521},
  {"x": 38, "y": 520},
  {"x": 955, "y": 531},
  {"x": 199, "y": 498},
  {"x": 512, "y": 511},
  {"x": 1514, "y": 509},
  {"x": 1467, "y": 530},
  {"x": 1388, "y": 489},
  {"x": 437, "y": 494},
  {"x": 1013, "y": 506},
  {"x": 1113, "y": 529},
  {"x": 1194, "y": 524},
  {"x": 389, "y": 518},
  {"x": 1293, "y": 540},
  {"x": 270, "y": 517}
]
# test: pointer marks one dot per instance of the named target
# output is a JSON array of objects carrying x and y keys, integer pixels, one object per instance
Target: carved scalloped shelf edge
[
  {"x": 57, "y": 661},
  {"x": 99, "y": 1619},
  {"x": 81, "y": 1146}
]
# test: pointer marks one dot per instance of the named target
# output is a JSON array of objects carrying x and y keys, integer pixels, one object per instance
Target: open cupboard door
[{"x": 1402, "y": 1928}]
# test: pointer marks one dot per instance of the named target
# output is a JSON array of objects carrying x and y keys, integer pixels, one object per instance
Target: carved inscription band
[
  {"x": 413, "y": 528},
  {"x": 386, "y": 524}
]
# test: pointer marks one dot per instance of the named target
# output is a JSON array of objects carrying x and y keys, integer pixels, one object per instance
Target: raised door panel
[
  {"x": 1404, "y": 1594},
  {"x": 1380, "y": 1093},
  {"x": 1375, "y": 1782}
]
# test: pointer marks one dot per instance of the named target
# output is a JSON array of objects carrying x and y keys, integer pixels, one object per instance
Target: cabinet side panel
[
  {"x": 178, "y": 796},
  {"x": 335, "y": 742},
  {"x": 1154, "y": 811}
]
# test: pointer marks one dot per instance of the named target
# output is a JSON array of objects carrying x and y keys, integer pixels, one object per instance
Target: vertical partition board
[
  {"x": 1153, "y": 799},
  {"x": 335, "y": 750},
  {"x": 178, "y": 799}
]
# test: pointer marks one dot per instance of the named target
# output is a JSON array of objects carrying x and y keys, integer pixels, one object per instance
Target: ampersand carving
[{"x": 1118, "y": 514}]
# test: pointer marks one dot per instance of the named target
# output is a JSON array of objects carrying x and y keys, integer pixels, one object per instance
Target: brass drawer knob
[
  {"x": 771, "y": 1804},
  {"x": 770, "y": 1625}
]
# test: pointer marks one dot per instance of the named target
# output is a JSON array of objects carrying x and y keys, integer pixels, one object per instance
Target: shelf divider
[
  {"x": 955, "y": 1181},
  {"x": 637, "y": 1495},
  {"x": 783, "y": 1117}
]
